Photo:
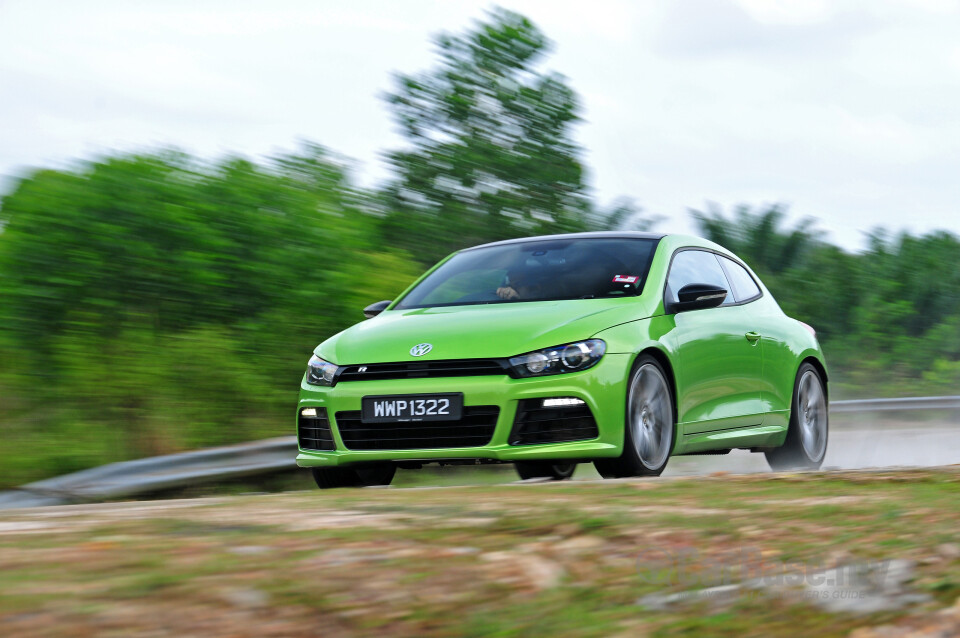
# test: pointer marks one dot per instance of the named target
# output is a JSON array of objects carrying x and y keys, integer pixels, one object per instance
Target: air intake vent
[
  {"x": 313, "y": 432},
  {"x": 552, "y": 424},
  {"x": 474, "y": 429}
]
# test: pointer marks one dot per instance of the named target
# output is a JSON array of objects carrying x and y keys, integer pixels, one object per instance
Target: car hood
[{"x": 479, "y": 331}]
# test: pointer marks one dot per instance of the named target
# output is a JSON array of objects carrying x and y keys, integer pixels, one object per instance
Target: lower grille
[
  {"x": 313, "y": 433},
  {"x": 537, "y": 424},
  {"x": 474, "y": 429}
]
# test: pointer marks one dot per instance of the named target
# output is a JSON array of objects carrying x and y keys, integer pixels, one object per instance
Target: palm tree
[{"x": 758, "y": 236}]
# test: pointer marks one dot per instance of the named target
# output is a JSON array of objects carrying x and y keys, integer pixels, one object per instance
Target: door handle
[{"x": 752, "y": 337}]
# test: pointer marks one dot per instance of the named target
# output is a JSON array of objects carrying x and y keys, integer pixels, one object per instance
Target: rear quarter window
[{"x": 744, "y": 286}]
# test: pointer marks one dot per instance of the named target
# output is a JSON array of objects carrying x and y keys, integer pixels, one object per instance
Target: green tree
[
  {"x": 489, "y": 149},
  {"x": 175, "y": 300}
]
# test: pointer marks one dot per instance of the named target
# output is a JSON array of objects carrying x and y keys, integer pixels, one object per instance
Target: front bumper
[{"x": 602, "y": 387}]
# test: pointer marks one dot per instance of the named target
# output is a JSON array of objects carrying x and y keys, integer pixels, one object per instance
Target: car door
[
  {"x": 719, "y": 351},
  {"x": 778, "y": 356}
]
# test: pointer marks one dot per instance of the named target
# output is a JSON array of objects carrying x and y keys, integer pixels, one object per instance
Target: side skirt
[{"x": 758, "y": 436}]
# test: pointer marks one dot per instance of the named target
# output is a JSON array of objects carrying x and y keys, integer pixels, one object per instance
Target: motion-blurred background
[{"x": 172, "y": 249}]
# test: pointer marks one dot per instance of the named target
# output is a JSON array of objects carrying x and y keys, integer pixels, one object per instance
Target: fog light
[
  {"x": 562, "y": 402},
  {"x": 310, "y": 412}
]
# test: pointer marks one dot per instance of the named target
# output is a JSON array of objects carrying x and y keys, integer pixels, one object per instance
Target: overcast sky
[{"x": 846, "y": 111}]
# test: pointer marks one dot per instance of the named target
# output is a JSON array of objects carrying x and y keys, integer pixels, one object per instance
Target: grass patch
[{"x": 530, "y": 560}]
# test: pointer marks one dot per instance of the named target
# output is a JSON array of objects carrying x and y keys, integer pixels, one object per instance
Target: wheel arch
[
  {"x": 629, "y": 463},
  {"x": 661, "y": 357},
  {"x": 821, "y": 370}
]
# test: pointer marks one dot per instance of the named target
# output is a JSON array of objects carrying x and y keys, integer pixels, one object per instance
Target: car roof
[{"x": 608, "y": 234}]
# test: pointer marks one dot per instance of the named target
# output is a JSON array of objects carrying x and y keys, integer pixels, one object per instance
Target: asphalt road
[
  {"x": 851, "y": 446},
  {"x": 857, "y": 441}
]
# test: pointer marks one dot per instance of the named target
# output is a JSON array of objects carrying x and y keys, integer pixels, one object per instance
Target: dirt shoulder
[{"x": 717, "y": 555}]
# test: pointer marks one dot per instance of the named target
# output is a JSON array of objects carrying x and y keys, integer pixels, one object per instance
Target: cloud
[{"x": 846, "y": 110}]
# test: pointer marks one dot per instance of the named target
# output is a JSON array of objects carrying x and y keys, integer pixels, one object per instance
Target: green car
[{"x": 616, "y": 348}]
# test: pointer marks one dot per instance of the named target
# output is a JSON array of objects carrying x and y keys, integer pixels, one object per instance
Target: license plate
[{"x": 412, "y": 407}]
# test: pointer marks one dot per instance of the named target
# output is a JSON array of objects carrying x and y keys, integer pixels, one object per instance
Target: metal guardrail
[
  {"x": 268, "y": 456},
  {"x": 908, "y": 403},
  {"x": 153, "y": 474}
]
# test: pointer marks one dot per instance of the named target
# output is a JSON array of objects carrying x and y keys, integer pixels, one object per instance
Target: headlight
[
  {"x": 571, "y": 357},
  {"x": 320, "y": 372}
]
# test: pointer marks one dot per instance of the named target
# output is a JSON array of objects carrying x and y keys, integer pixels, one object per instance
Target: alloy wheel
[
  {"x": 651, "y": 416},
  {"x": 812, "y": 417}
]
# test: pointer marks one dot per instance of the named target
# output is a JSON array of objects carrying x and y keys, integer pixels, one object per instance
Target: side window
[
  {"x": 744, "y": 287},
  {"x": 696, "y": 267}
]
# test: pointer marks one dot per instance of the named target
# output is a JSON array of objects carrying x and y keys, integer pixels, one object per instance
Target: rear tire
[
  {"x": 649, "y": 424},
  {"x": 359, "y": 476},
  {"x": 544, "y": 469},
  {"x": 806, "y": 444}
]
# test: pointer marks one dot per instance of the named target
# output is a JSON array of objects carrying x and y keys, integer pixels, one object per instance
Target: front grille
[
  {"x": 537, "y": 424},
  {"x": 474, "y": 429},
  {"x": 313, "y": 433},
  {"x": 421, "y": 369}
]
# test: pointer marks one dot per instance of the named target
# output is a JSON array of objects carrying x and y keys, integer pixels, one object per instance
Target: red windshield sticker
[{"x": 625, "y": 279}]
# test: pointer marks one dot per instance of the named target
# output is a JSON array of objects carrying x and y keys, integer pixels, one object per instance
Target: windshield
[{"x": 546, "y": 270}]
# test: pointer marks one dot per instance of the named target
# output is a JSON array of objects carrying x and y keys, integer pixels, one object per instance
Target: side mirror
[
  {"x": 698, "y": 297},
  {"x": 375, "y": 309}
]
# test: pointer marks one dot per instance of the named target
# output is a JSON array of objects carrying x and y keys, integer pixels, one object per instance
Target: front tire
[
  {"x": 547, "y": 469},
  {"x": 806, "y": 442},
  {"x": 649, "y": 425},
  {"x": 360, "y": 476}
]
